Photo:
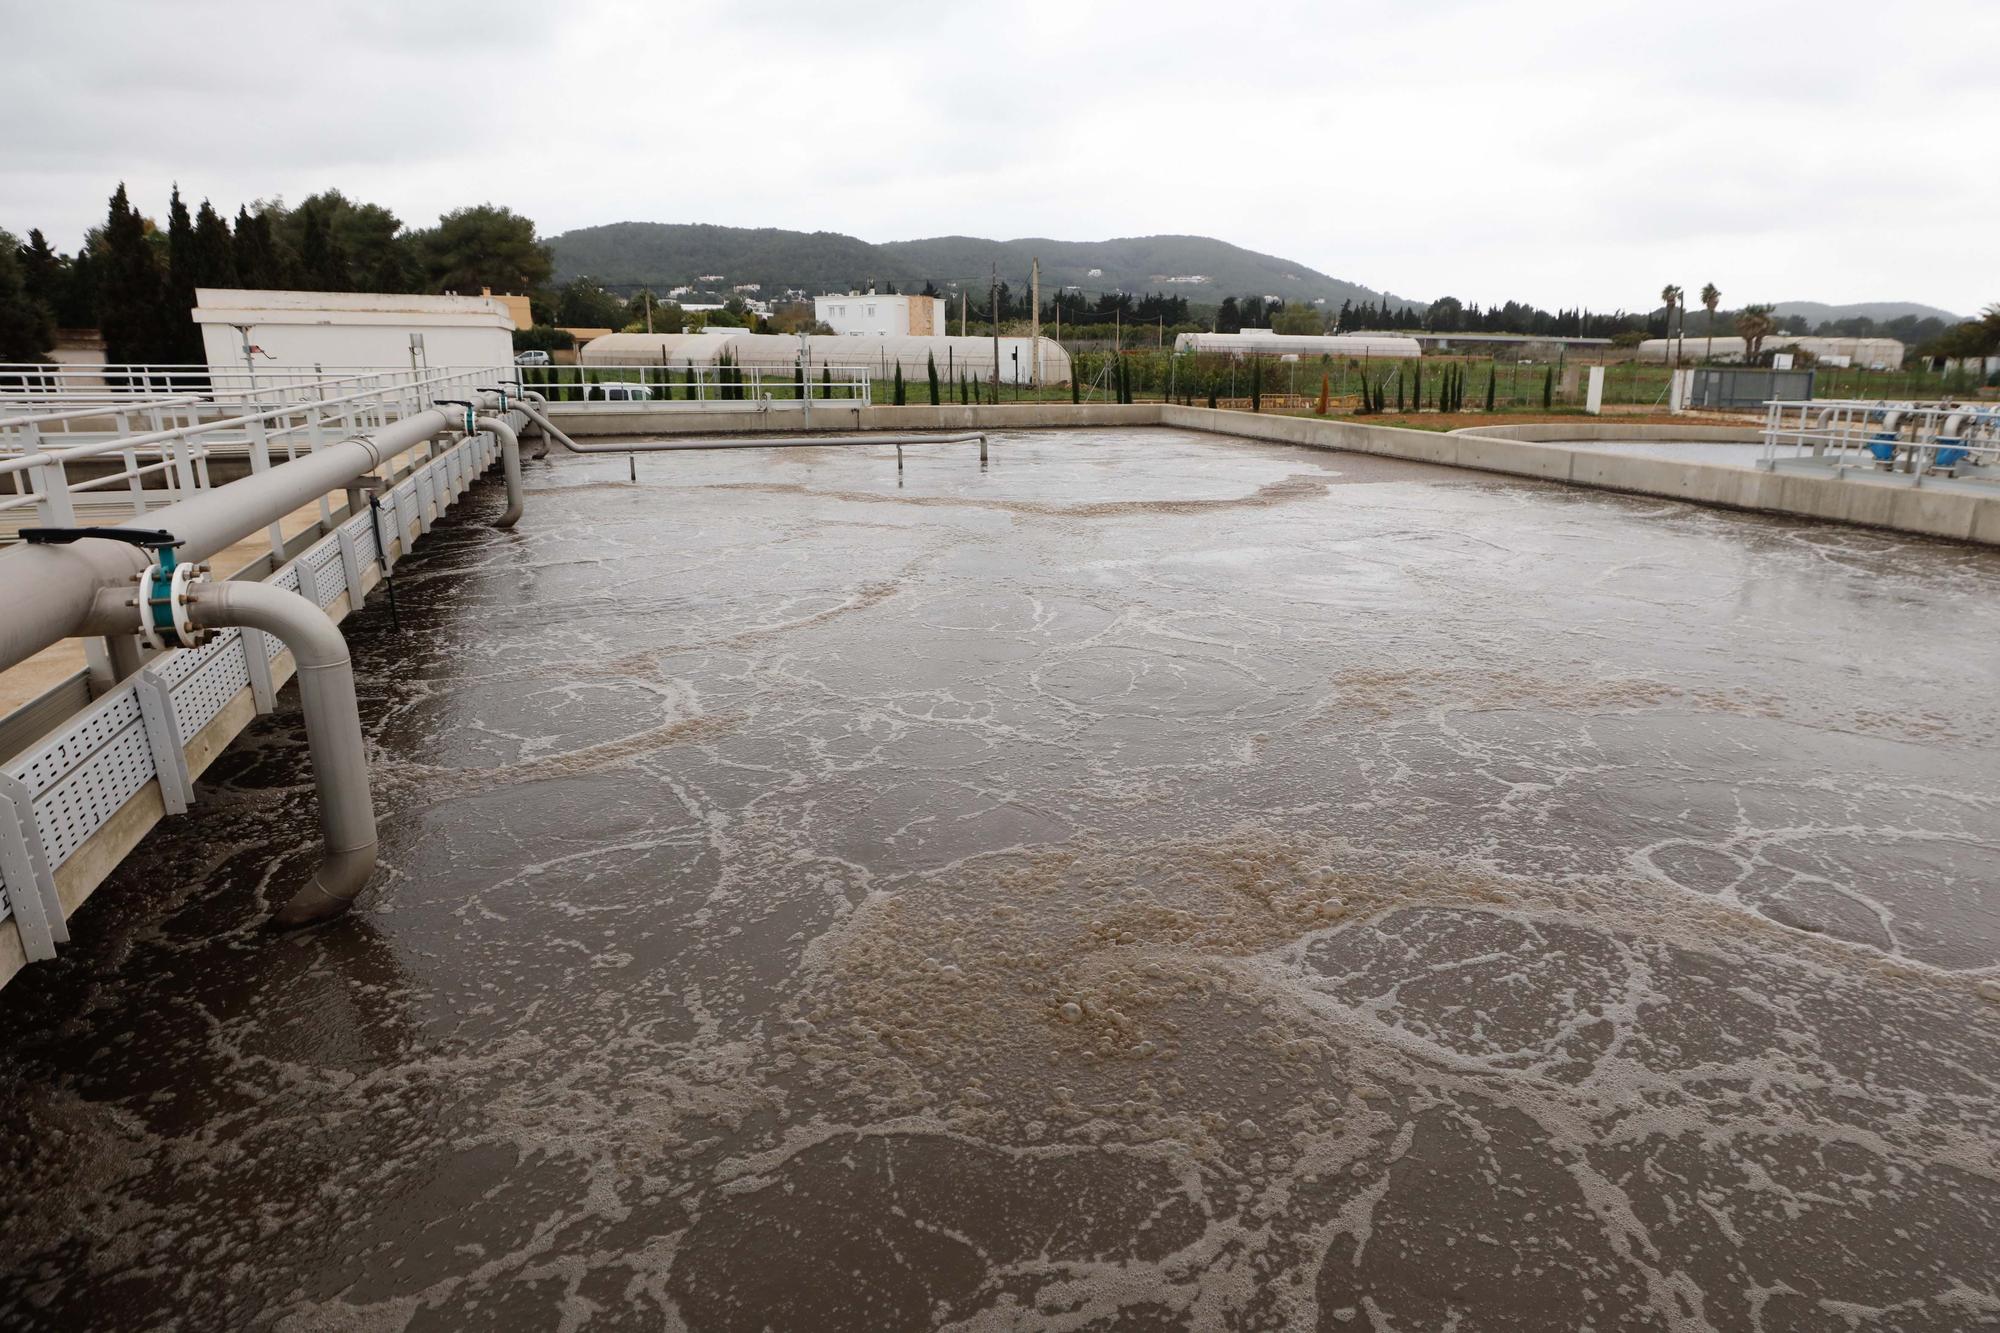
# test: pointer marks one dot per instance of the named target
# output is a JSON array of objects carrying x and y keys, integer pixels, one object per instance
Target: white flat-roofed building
[
  {"x": 351, "y": 328},
  {"x": 875, "y": 315}
]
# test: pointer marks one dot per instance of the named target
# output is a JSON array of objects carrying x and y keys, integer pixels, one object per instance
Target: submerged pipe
[
  {"x": 778, "y": 442},
  {"x": 532, "y": 403},
  {"x": 510, "y": 467},
  {"x": 333, "y": 734}
]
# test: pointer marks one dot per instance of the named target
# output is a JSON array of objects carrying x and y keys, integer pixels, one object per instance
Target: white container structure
[
  {"x": 1263, "y": 342},
  {"x": 351, "y": 329},
  {"x": 879, "y": 356}
]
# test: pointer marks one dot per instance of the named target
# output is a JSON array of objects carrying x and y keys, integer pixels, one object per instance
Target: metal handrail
[
  {"x": 1844, "y": 433},
  {"x": 22, "y": 462}
]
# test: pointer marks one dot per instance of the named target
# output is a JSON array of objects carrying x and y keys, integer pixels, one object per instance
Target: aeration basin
[{"x": 1152, "y": 880}]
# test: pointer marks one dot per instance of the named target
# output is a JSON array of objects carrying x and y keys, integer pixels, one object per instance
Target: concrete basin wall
[
  {"x": 1616, "y": 432},
  {"x": 1506, "y": 450},
  {"x": 1933, "y": 512}
]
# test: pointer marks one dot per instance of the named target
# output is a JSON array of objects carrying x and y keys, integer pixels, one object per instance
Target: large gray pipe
[
  {"x": 333, "y": 733},
  {"x": 51, "y": 588},
  {"x": 510, "y": 467}
]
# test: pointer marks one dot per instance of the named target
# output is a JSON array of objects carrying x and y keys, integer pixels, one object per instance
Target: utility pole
[
  {"x": 649, "y": 311},
  {"x": 961, "y": 312},
  {"x": 995, "y": 294},
  {"x": 1035, "y": 322}
]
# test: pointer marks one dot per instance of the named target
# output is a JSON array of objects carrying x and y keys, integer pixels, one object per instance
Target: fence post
[{"x": 31, "y": 885}]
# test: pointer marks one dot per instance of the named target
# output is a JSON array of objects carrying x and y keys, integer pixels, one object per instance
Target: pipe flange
[{"x": 163, "y": 606}]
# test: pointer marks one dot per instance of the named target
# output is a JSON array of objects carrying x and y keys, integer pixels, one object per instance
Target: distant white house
[
  {"x": 339, "y": 329},
  {"x": 875, "y": 315}
]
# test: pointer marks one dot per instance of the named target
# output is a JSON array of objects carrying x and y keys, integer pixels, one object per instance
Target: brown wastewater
[{"x": 1149, "y": 882}]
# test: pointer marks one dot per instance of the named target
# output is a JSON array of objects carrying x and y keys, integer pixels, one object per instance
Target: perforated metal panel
[
  {"x": 203, "y": 694},
  {"x": 83, "y": 801},
  {"x": 175, "y": 667},
  {"x": 45, "y": 765},
  {"x": 329, "y": 577}
]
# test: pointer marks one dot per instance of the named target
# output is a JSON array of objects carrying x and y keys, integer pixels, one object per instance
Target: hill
[
  {"x": 663, "y": 255},
  {"x": 1816, "y": 313}
]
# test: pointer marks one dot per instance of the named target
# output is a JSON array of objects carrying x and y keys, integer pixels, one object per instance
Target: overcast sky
[{"x": 1561, "y": 153}]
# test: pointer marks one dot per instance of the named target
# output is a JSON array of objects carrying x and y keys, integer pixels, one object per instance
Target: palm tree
[
  {"x": 1671, "y": 295},
  {"x": 1755, "y": 324},
  {"x": 1711, "y": 297}
]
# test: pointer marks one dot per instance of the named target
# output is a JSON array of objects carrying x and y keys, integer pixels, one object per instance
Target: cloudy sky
[{"x": 1564, "y": 153}]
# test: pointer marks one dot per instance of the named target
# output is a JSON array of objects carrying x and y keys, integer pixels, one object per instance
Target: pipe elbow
[
  {"x": 335, "y": 884},
  {"x": 510, "y": 467}
]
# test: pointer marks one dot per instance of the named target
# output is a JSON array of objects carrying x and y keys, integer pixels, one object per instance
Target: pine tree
[
  {"x": 1548, "y": 388},
  {"x": 131, "y": 289},
  {"x": 1416, "y": 386},
  {"x": 899, "y": 384},
  {"x": 1257, "y": 384},
  {"x": 1075, "y": 387},
  {"x": 1492, "y": 373},
  {"x": 930, "y": 359}
]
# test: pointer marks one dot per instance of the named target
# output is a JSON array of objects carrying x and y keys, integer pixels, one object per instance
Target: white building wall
[
  {"x": 872, "y": 315},
  {"x": 352, "y": 328}
]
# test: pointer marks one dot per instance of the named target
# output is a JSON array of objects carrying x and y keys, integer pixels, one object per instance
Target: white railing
[
  {"x": 94, "y": 461},
  {"x": 699, "y": 383},
  {"x": 27, "y": 389},
  {"x": 1918, "y": 439}
]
